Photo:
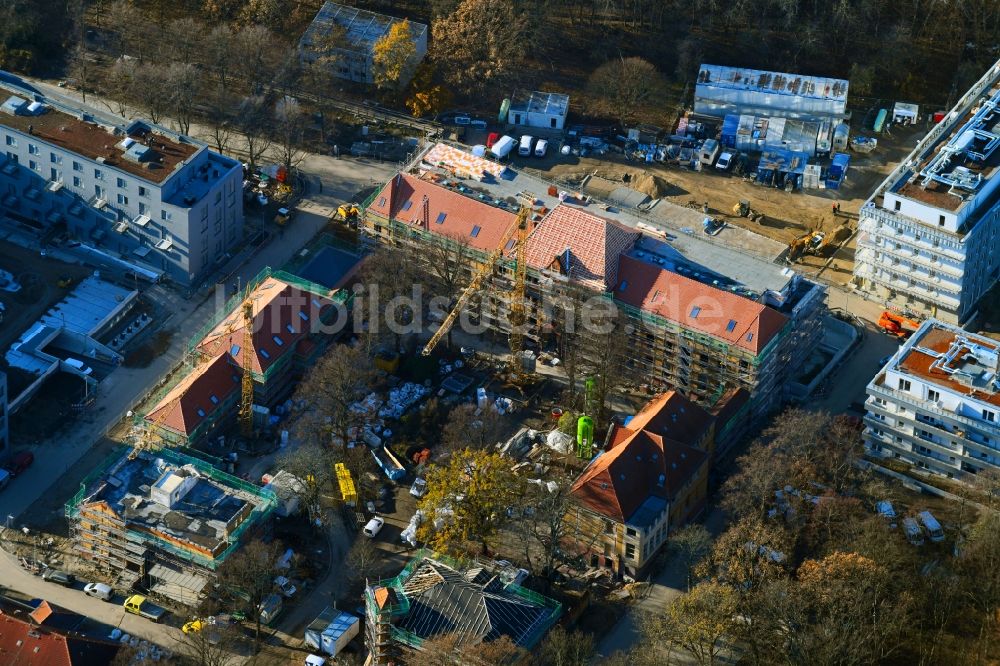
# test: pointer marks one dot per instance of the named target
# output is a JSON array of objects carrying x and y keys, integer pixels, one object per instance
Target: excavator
[
  {"x": 743, "y": 209},
  {"x": 348, "y": 213},
  {"x": 898, "y": 325}
]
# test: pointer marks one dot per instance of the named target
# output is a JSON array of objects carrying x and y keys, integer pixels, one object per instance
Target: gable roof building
[
  {"x": 23, "y": 643},
  {"x": 433, "y": 597}
]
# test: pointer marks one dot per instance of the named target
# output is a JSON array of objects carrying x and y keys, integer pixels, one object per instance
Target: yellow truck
[{"x": 138, "y": 605}]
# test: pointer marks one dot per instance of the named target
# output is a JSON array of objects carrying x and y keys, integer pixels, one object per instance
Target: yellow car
[{"x": 193, "y": 626}]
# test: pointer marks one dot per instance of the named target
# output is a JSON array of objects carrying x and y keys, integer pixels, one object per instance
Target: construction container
[{"x": 331, "y": 631}]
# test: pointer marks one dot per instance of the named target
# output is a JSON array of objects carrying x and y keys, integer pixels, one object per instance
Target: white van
[
  {"x": 914, "y": 534},
  {"x": 541, "y": 147},
  {"x": 933, "y": 527},
  {"x": 99, "y": 591},
  {"x": 373, "y": 527},
  {"x": 503, "y": 146},
  {"x": 79, "y": 365},
  {"x": 524, "y": 149}
]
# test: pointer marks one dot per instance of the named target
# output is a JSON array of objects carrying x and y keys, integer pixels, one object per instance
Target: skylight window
[
  {"x": 277, "y": 340},
  {"x": 288, "y": 327},
  {"x": 695, "y": 311},
  {"x": 731, "y": 326},
  {"x": 623, "y": 286},
  {"x": 303, "y": 316},
  {"x": 381, "y": 202},
  {"x": 440, "y": 218},
  {"x": 201, "y": 412},
  {"x": 510, "y": 244},
  {"x": 475, "y": 231},
  {"x": 749, "y": 337},
  {"x": 407, "y": 205},
  {"x": 234, "y": 351},
  {"x": 214, "y": 398},
  {"x": 263, "y": 352}
]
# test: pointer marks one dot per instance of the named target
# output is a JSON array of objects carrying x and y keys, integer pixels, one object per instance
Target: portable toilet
[{"x": 584, "y": 437}]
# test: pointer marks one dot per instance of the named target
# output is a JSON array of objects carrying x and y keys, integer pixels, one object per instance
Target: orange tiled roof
[
  {"x": 940, "y": 340},
  {"x": 447, "y": 212},
  {"x": 197, "y": 396},
  {"x": 698, "y": 306},
  {"x": 594, "y": 245},
  {"x": 22, "y": 644}
]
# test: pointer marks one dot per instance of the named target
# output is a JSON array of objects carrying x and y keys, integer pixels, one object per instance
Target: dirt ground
[
  {"x": 39, "y": 277},
  {"x": 788, "y": 214}
]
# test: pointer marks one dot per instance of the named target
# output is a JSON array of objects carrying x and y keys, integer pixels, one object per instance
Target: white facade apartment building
[
  {"x": 138, "y": 190},
  {"x": 936, "y": 405},
  {"x": 928, "y": 236}
]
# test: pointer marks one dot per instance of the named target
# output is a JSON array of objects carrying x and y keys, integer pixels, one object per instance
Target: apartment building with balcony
[
  {"x": 132, "y": 189},
  {"x": 936, "y": 404},
  {"x": 928, "y": 235}
]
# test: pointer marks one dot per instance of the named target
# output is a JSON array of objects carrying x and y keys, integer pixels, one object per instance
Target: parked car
[
  {"x": 19, "y": 462},
  {"x": 99, "y": 591},
  {"x": 524, "y": 148},
  {"x": 713, "y": 226},
  {"x": 373, "y": 527},
  {"x": 725, "y": 161},
  {"x": 932, "y": 526},
  {"x": 419, "y": 487},
  {"x": 193, "y": 626},
  {"x": 138, "y": 605},
  {"x": 59, "y": 576},
  {"x": 79, "y": 365},
  {"x": 5, "y": 478},
  {"x": 914, "y": 534},
  {"x": 885, "y": 509},
  {"x": 286, "y": 586},
  {"x": 541, "y": 148}
]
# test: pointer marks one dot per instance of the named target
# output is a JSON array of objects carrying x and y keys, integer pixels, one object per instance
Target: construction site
[
  {"x": 164, "y": 520},
  {"x": 693, "y": 325}
]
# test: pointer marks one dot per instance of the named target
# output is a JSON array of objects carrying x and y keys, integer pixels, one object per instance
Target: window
[
  {"x": 940, "y": 220},
  {"x": 407, "y": 205},
  {"x": 609, "y": 527},
  {"x": 989, "y": 416},
  {"x": 143, "y": 208},
  {"x": 54, "y": 174},
  {"x": 122, "y": 199},
  {"x": 32, "y": 164},
  {"x": 11, "y": 141},
  {"x": 165, "y": 216},
  {"x": 897, "y": 205},
  {"x": 98, "y": 175},
  {"x": 630, "y": 532},
  {"x": 731, "y": 326},
  {"x": 933, "y": 395},
  {"x": 695, "y": 311},
  {"x": 77, "y": 166},
  {"x": 55, "y": 159},
  {"x": 277, "y": 340},
  {"x": 77, "y": 182},
  {"x": 121, "y": 183},
  {"x": 143, "y": 191},
  {"x": 381, "y": 202},
  {"x": 440, "y": 218},
  {"x": 475, "y": 231},
  {"x": 218, "y": 196},
  {"x": 749, "y": 337},
  {"x": 12, "y": 157},
  {"x": 904, "y": 385},
  {"x": 32, "y": 149},
  {"x": 630, "y": 551}
]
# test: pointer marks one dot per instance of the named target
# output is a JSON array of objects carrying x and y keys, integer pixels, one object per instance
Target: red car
[{"x": 492, "y": 138}]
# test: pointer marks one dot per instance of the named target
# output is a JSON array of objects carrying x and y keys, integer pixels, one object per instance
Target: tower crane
[
  {"x": 246, "y": 401},
  {"x": 518, "y": 314},
  {"x": 519, "y": 226}
]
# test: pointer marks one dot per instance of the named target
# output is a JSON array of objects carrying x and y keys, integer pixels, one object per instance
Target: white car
[
  {"x": 286, "y": 586},
  {"x": 725, "y": 160},
  {"x": 541, "y": 148},
  {"x": 99, "y": 591},
  {"x": 419, "y": 487},
  {"x": 373, "y": 527},
  {"x": 524, "y": 148}
]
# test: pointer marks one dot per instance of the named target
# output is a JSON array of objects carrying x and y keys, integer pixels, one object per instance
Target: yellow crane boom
[
  {"x": 246, "y": 402},
  {"x": 518, "y": 315},
  {"x": 477, "y": 281}
]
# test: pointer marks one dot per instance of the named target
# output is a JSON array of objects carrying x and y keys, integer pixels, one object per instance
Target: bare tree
[
  {"x": 247, "y": 577},
  {"x": 544, "y": 529},
  {"x": 218, "y": 50},
  {"x": 120, "y": 84},
  {"x": 129, "y": 25},
  {"x": 470, "y": 427},
  {"x": 218, "y": 118},
  {"x": 626, "y": 84},
  {"x": 448, "y": 259},
  {"x": 564, "y": 648},
  {"x": 361, "y": 559},
  {"x": 213, "y": 645},
  {"x": 289, "y": 122},
  {"x": 253, "y": 52},
  {"x": 307, "y": 463},
  {"x": 184, "y": 39},
  {"x": 690, "y": 545},
  {"x": 154, "y": 82},
  {"x": 253, "y": 119},
  {"x": 184, "y": 85}
]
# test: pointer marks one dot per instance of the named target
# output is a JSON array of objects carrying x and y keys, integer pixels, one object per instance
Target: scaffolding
[{"x": 106, "y": 536}]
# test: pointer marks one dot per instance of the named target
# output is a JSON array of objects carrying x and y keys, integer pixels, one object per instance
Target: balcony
[
  {"x": 895, "y": 396},
  {"x": 898, "y": 224}
]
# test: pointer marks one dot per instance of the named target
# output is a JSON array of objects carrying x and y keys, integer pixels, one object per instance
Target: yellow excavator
[{"x": 348, "y": 213}]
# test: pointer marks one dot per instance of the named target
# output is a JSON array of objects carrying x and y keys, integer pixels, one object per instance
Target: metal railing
[{"x": 900, "y": 396}]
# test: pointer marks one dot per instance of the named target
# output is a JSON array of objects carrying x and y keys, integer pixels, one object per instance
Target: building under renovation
[
  {"x": 292, "y": 321},
  {"x": 434, "y": 597},
  {"x": 694, "y": 325},
  {"x": 164, "y": 520}
]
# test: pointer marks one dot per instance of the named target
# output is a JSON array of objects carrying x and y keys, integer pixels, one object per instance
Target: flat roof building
[
  {"x": 165, "y": 519},
  {"x": 542, "y": 110},
  {"x": 347, "y": 37},
  {"x": 936, "y": 404},
  {"x": 928, "y": 234},
  {"x": 721, "y": 90},
  {"x": 134, "y": 189}
]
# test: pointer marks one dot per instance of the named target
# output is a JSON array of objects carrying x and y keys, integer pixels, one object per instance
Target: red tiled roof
[
  {"x": 594, "y": 245},
  {"x": 22, "y": 644},
  {"x": 728, "y": 405},
  {"x": 940, "y": 340},
  {"x": 645, "y": 465},
  {"x": 403, "y": 198},
  {"x": 673, "y": 416},
  {"x": 189, "y": 403},
  {"x": 278, "y": 310},
  {"x": 698, "y": 306}
]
